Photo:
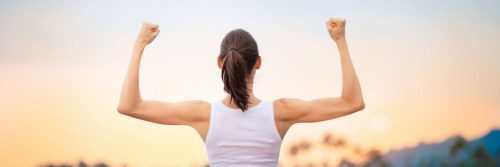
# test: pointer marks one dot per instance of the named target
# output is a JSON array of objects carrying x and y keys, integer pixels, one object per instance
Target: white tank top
[{"x": 244, "y": 139}]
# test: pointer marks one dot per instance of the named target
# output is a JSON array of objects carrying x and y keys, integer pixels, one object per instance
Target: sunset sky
[{"x": 428, "y": 70}]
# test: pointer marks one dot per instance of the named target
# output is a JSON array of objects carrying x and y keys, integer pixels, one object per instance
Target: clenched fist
[
  {"x": 336, "y": 28},
  {"x": 148, "y": 33}
]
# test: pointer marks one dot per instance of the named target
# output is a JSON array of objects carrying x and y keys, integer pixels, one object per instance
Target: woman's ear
[
  {"x": 219, "y": 62},
  {"x": 257, "y": 64}
]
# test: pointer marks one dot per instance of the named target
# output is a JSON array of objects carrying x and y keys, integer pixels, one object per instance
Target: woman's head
[{"x": 238, "y": 59}]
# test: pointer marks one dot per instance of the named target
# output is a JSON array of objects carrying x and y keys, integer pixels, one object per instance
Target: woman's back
[{"x": 238, "y": 138}]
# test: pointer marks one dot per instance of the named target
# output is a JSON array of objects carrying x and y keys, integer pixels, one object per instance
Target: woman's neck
[{"x": 252, "y": 100}]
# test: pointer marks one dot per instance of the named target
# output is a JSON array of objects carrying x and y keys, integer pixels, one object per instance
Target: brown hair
[{"x": 239, "y": 53}]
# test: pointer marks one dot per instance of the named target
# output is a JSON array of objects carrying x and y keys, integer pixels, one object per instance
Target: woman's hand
[
  {"x": 148, "y": 33},
  {"x": 336, "y": 28}
]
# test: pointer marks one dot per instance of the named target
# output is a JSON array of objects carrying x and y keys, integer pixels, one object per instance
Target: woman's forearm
[
  {"x": 130, "y": 94},
  {"x": 351, "y": 89}
]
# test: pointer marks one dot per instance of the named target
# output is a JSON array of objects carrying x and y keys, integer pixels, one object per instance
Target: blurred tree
[
  {"x": 457, "y": 145},
  {"x": 79, "y": 164},
  {"x": 334, "y": 146},
  {"x": 482, "y": 157}
]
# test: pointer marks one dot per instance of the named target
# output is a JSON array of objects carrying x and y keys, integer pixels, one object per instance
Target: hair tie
[{"x": 233, "y": 49}]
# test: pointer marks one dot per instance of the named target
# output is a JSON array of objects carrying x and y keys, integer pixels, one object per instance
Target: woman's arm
[
  {"x": 131, "y": 103},
  {"x": 351, "y": 100}
]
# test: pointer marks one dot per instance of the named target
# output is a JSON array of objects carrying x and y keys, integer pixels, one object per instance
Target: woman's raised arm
[
  {"x": 290, "y": 110},
  {"x": 131, "y": 103}
]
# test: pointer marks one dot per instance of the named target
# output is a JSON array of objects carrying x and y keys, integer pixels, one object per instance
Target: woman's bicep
[
  {"x": 181, "y": 113},
  {"x": 301, "y": 111}
]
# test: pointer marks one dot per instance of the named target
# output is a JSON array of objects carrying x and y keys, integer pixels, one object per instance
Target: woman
[{"x": 241, "y": 129}]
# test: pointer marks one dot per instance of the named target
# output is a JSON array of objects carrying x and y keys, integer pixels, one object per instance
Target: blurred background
[{"x": 429, "y": 71}]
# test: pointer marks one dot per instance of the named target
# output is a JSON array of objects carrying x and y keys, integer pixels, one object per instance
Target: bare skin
[{"x": 287, "y": 111}]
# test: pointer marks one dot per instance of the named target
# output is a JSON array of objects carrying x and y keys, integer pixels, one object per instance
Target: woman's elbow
[
  {"x": 359, "y": 106},
  {"x": 124, "y": 109},
  {"x": 128, "y": 106},
  {"x": 121, "y": 110}
]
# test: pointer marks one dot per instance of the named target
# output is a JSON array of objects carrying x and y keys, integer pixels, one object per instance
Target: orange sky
[{"x": 424, "y": 78}]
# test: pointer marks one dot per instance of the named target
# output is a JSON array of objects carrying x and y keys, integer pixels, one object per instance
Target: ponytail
[
  {"x": 234, "y": 75},
  {"x": 239, "y": 53}
]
